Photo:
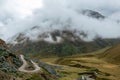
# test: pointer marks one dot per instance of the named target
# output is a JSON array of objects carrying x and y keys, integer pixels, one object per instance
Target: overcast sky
[{"x": 19, "y": 15}]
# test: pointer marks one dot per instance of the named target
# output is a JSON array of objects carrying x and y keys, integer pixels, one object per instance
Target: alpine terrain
[{"x": 59, "y": 40}]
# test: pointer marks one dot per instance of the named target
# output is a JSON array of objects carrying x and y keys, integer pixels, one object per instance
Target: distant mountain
[
  {"x": 59, "y": 43},
  {"x": 93, "y": 14}
]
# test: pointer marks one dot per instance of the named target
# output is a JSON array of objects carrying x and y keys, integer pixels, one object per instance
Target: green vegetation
[
  {"x": 36, "y": 76},
  {"x": 112, "y": 55},
  {"x": 65, "y": 50},
  {"x": 76, "y": 65},
  {"x": 60, "y": 50}
]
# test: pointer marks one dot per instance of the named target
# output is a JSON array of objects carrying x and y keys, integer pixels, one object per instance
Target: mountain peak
[{"x": 93, "y": 14}]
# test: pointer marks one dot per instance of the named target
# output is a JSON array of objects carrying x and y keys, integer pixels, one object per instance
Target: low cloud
[{"x": 60, "y": 14}]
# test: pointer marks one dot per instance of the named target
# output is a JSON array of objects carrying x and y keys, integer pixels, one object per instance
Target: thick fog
[{"x": 21, "y": 15}]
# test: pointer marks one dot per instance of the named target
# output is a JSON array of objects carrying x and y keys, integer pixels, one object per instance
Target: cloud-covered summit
[{"x": 19, "y": 16}]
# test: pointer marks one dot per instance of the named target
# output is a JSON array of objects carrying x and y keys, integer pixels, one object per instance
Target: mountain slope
[
  {"x": 112, "y": 55},
  {"x": 10, "y": 64},
  {"x": 59, "y": 43},
  {"x": 61, "y": 38},
  {"x": 5, "y": 76}
]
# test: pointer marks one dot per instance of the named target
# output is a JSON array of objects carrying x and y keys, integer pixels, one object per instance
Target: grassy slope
[
  {"x": 71, "y": 67},
  {"x": 36, "y": 76},
  {"x": 5, "y": 76},
  {"x": 66, "y": 48},
  {"x": 112, "y": 55}
]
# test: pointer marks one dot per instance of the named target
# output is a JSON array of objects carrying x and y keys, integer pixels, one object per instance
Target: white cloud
[
  {"x": 59, "y": 13},
  {"x": 22, "y": 7}
]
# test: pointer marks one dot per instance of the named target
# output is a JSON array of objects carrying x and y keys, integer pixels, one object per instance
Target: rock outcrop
[{"x": 9, "y": 62}]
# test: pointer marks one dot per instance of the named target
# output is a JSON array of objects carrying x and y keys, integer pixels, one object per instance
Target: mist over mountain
[
  {"x": 54, "y": 15},
  {"x": 59, "y": 40}
]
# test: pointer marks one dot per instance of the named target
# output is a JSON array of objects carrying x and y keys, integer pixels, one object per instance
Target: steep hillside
[
  {"x": 59, "y": 43},
  {"x": 9, "y": 62},
  {"x": 112, "y": 55},
  {"x": 12, "y": 67},
  {"x": 5, "y": 76},
  {"x": 3, "y": 44},
  {"x": 60, "y": 38}
]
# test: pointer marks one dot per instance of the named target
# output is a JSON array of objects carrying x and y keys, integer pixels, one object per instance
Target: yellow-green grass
[
  {"x": 107, "y": 71},
  {"x": 112, "y": 55}
]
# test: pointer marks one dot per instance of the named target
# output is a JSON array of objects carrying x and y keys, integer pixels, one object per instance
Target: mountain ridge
[{"x": 67, "y": 44}]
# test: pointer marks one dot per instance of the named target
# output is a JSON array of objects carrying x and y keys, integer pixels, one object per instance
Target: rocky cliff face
[{"x": 9, "y": 62}]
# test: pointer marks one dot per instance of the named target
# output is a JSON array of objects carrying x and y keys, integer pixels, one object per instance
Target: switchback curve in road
[{"x": 22, "y": 68}]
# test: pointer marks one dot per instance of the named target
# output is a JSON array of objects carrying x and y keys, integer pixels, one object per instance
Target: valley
[
  {"x": 76, "y": 66},
  {"x": 59, "y": 39},
  {"x": 102, "y": 64}
]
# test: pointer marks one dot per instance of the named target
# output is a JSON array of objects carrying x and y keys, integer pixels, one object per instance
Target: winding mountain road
[
  {"x": 86, "y": 77},
  {"x": 22, "y": 68}
]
